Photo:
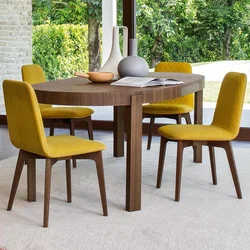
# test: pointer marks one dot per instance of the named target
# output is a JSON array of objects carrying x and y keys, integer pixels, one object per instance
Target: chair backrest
[
  {"x": 181, "y": 67},
  {"x": 33, "y": 73},
  {"x": 24, "y": 117},
  {"x": 230, "y": 102}
]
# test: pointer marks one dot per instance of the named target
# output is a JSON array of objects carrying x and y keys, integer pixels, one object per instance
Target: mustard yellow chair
[
  {"x": 173, "y": 109},
  {"x": 33, "y": 74},
  {"x": 27, "y": 133},
  {"x": 224, "y": 128}
]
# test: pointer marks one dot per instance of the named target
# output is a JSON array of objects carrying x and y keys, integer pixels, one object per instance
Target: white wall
[{"x": 15, "y": 38}]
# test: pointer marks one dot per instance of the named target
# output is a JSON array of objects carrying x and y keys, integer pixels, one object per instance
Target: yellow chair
[
  {"x": 224, "y": 128},
  {"x": 173, "y": 109},
  {"x": 33, "y": 74},
  {"x": 27, "y": 133}
]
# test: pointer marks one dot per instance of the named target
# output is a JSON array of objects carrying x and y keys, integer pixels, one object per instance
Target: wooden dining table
[{"x": 127, "y": 103}]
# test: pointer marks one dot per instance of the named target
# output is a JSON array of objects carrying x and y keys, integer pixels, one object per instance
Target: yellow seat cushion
[
  {"x": 65, "y": 112},
  {"x": 195, "y": 132},
  {"x": 33, "y": 74},
  {"x": 180, "y": 105},
  {"x": 67, "y": 145},
  {"x": 166, "y": 108}
]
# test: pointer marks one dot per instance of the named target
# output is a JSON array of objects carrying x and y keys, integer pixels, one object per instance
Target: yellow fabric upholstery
[
  {"x": 224, "y": 128},
  {"x": 26, "y": 131},
  {"x": 65, "y": 112},
  {"x": 226, "y": 121},
  {"x": 33, "y": 74},
  {"x": 26, "y": 126},
  {"x": 180, "y": 105},
  {"x": 168, "y": 108}
]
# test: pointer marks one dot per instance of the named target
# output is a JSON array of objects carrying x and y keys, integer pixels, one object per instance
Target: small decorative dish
[{"x": 97, "y": 76}]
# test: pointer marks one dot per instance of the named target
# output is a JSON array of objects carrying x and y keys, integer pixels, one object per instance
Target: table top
[{"x": 81, "y": 92}]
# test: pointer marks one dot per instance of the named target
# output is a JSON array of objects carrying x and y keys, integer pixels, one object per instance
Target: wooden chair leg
[
  {"x": 178, "y": 119},
  {"x": 180, "y": 148},
  {"x": 31, "y": 179},
  {"x": 231, "y": 161},
  {"x": 213, "y": 164},
  {"x": 187, "y": 118},
  {"x": 162, "y": 154},
  {"x": 188, "y": 121},
  {"x": 52, "y": 128},
  {"x": 72, "y": 127},
  {"x": 47, "y": 186},
  {"x": 72, "y": 132},
  {"x": 16, "y": 179},
  {"x": 90, "y": 127},
  {"x": 151, "y": 124},
  {"x": 101, "y": 180},
  {"x": 68, "y": 181}
]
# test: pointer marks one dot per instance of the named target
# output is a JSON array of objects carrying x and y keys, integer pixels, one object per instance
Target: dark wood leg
[
  {"x": 16, "y": 179},
  {"x": 231, "y": 161},
  {"x": 134, "y": 152},
  {"x": 31, "y": 179},
  {"x": 90, "y": 127},
  {"x": 72, "y": 132},
  {"x": 118, "y": 145},
  {"x": 101, "y": 180},
  {"x": 68, "y": 181},
  {"x": 47, "y": 185},
  {"x": 180, "y": 148},
  {"x": 198, "y": 114},
  {"x": 52, "y": 128},
  {"x": 161, "y": 160},
  {"x": 151, "y": 125},
  {"x": 178, "y": 119},
  {"x": 213, "y": 164},
  {"x": 187, "y": 118}
]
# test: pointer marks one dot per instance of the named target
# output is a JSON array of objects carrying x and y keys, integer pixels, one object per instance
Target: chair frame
[
  {"x": 69, "y": 121},
  {"x": 226, "y": 145},
  {"x": 29, "y": 158},
  {"x": 152, "y": 117},
  {"x": 177, "y": 117}
]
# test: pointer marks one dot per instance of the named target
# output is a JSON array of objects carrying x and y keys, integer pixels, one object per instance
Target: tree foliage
[
  {"x": 167, "y": 30},
  {"x": 193, "y": 30},
  {"x": 73, "y": 12},
  {"x": 61, "y": 50},
  {"x": 59, "y": 12}
]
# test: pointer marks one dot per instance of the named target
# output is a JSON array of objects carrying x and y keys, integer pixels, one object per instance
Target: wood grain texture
[
  {"x": 134, "y": 154},
  {"x": 30, "y": 159},
  {"x": 127, "y": 102},
  {"x": 81, "y": 92}
]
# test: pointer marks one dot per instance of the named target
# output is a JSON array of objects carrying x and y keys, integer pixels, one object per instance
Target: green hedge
[{"x": 61, "y": 50}]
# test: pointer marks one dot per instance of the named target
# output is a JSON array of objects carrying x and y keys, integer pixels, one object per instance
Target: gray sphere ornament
[{"x": 133, "y": 66}]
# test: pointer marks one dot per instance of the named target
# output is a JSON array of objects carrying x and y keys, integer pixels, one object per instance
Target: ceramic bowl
[{"x": 97, "y": 76}]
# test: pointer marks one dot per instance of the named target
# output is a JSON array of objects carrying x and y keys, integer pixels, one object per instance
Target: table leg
[
  {"x": 118, "y": 146},
  {"x": 198, "y": 114},
  {"x": 134, "y": 154},
  {"x": 31, "y": 180}
]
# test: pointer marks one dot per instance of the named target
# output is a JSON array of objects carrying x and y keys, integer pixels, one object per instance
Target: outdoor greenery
[
  {"x": 61, "y": 50},
  {"x": 167, "y": 30},
  {"x": 193, "y": 30}
]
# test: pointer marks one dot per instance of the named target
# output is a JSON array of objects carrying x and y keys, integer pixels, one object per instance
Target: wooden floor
[{"x": 8, "y": 150}]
